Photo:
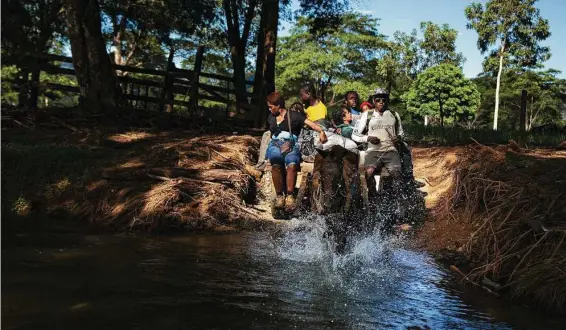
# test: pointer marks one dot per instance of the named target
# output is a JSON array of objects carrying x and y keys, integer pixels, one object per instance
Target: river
[{"x": 239, "y": 280}]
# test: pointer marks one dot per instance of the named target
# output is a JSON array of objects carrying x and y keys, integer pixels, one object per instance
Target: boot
[
  {"x": 280, "y": 202},
  {"x": 290, "y": 203},
  {"x": 277, "y": 179},
  {"x": 291, "y": 178}
]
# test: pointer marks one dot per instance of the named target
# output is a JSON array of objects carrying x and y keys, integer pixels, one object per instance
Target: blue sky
[{"x": 405, "y": 15}]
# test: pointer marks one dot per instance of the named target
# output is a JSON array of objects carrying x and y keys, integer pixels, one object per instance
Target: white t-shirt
[{"x": 381, "y": 125}]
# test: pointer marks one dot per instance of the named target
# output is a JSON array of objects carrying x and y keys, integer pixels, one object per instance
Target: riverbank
[
  {"x": 484, "y": 205},
  {"x": 141, "y": 180},
  {"x": 497, "y": 215}
]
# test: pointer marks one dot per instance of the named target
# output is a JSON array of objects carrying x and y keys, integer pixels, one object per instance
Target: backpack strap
[
  {"x": 396, "y": 121},
  {"x": 370, "y": 114}
]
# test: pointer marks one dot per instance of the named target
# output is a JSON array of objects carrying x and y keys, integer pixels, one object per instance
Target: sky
[{"x": 406, "y": 15}]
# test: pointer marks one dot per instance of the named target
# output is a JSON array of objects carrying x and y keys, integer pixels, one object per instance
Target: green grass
[{"x": 459, "y": 135}]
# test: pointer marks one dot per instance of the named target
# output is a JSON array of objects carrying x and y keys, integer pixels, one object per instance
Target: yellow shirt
[{"x": 316, "y": 112}]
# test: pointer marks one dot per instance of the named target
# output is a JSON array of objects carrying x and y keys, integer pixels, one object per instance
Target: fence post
[
  {"x": 23, "y": 87},
  {"x": 166, "y": 84},
  {"x": 523, "y": 119},
  {"x": 193, "y": 100},
  {"x": 34, "y": 86}
]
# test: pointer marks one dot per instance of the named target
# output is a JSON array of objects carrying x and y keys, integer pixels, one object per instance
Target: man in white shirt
[{"x": 384, "y": 131}]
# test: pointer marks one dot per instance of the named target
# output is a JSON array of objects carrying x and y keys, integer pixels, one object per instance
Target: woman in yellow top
[{"x": 316, "y": 110}]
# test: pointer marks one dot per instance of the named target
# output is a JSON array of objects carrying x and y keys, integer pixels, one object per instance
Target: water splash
[{"x": 368, "y": 259}]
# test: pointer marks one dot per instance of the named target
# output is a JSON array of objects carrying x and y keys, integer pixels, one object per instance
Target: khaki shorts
[{"x": 389, "y": 160}]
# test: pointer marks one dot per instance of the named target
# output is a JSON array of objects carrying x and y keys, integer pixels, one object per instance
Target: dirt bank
[
  {"x": 131, "y": 180},
  {"x": 504, "y": 210}
]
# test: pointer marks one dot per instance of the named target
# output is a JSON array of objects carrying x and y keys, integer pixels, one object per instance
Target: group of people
[{"x": 369, "y": 129}]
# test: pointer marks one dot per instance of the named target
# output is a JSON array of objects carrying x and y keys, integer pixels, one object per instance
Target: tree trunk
[
  {"x": 441, "y": 112},
  {"x": 238, "y": 43},
  {"x": 166, "y": 84},
  {"x": 97, "y": 81},
  {"x": 270, "y": 17},
  {"x": 496, "y": 113},
  {"x": 23, "y": 80},
  {"x": 34, "y": 88},
  {"x": 239, "y": 66},
  {"x": 260, "y": 51}
]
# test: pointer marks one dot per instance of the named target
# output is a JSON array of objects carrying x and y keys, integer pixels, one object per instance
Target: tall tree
[
  {"x": 99, "y": 91},
  {"x": 511, "y": 30},
  {"x": 239, "y": 16},
  {"x": 546, "y": 96},
  {"x": 443, "y": 92},
  {"x": 333, "y": 59},
  {"x": 439, "y": 45},
  {"x": 399, "y": 64}
]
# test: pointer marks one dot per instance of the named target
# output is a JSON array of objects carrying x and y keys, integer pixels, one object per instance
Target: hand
[
  {"x": 373, "y": 139},
  {"x": 322, "y": 137}
]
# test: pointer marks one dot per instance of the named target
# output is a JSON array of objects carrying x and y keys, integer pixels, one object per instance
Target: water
[{"x": 259, "y": 280}]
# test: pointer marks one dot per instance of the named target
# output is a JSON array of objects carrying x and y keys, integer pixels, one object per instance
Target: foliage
[
  {"x": 455, "y": 135},
  {"x": 546, "y": 96},
  {"x": 439, "y": 45},
  {"x": 9, "y": 94},
  {"x": 545, "y": 103},
  {"x": 335, "y": 60},
  {"x": 511, "y": 31},
  {"x": 407, "y": 55},
  {"x": 512, "y": 28},
  {"x": 33, "y": 25},
  {"x": 399, "y": 64},
  {"x": 442, "y": 91}
]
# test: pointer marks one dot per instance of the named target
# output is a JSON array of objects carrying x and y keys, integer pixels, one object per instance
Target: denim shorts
[{"x": 276, "y": 158}]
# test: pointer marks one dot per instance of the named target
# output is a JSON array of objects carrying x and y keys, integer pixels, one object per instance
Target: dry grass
[
  {"x": 166, "y": 188},
  {"x": 515, "y": 204}
]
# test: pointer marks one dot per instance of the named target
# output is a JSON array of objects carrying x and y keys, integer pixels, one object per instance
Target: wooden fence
[{"x": 156, "y": 88}]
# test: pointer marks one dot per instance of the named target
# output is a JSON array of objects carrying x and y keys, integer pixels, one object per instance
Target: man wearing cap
[{"x": 384, "y": 132}]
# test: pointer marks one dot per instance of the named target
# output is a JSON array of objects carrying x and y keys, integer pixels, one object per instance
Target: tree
[
  {"x": 439, "y": 45},
  {"x": 99, "y": 91},
  {"x": 546, "y": 96},
  {"x": 442, "y": 91},
  {"x": 332, "y": 59},
  {"x": 34, "y": 25},
  {"x": 511, "y": 30},
  {"x": 399, "y": 64},
  {"x": 137, "y": 30},
  {"x": 239, "y": 18}
]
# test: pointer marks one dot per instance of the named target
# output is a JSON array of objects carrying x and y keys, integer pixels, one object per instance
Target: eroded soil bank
[{"x": 501, "y": 209}]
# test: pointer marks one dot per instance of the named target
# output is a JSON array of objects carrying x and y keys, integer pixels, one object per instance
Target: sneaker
[
  {"x": 280, "y": 202},
  {"x": 290, "y": 202}
]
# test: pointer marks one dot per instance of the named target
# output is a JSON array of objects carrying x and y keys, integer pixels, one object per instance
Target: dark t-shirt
[{"x": 297, "y": 123}]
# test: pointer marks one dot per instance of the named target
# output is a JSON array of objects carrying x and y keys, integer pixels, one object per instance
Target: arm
[
  {"x": 317, "y": 128},
  {"x": 357, "y": 135}
]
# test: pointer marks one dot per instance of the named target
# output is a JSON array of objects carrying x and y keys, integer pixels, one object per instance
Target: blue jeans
[{"x": 276, "y": 158}]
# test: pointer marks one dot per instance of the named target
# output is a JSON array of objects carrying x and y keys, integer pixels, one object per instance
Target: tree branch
[{"x": 248, "y": 22}]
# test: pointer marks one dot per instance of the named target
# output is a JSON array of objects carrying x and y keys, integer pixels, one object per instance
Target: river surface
[{"x": 250, "y": 280}]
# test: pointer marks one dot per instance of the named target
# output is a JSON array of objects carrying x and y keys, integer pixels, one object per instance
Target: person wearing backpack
[{"x": 383, "y": 138}]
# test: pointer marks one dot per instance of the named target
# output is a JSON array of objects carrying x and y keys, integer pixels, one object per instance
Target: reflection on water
[{"x": 238, "y": 281}]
